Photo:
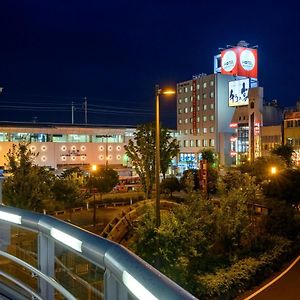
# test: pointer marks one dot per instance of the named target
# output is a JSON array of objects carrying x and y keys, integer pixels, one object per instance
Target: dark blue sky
[{"x": 53, "y": 52}]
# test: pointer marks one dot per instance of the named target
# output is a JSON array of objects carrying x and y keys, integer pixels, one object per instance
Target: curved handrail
[
  {"x": 104, "y": 253},
  {"x": 37, "y": 272}
]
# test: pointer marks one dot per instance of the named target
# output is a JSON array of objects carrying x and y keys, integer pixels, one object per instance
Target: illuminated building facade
[
  {"x": 62, "y": 145},
  {"x": 291, "y": 131}
]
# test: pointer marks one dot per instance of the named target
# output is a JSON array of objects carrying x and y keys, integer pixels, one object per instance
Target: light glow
[
  {"x": 137, "y": 289},
  {"x": 66, "y": 239},
  {"x": 5, "y": 216},
  {"x": 168, "y": 92}
]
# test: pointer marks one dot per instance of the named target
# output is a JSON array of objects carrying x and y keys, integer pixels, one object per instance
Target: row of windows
[
  {"x": 293, "y": 123},
  {"x": 59, "y": 138},
  {"x": 293, "y": 141},
  {"x": 190, "y": 109},
  {"x": 74, "y": 158},
  {"x": 198, "y": 130},
  {"x": 190, "y": 88},
  {"x": 191, "y": 98},
  {"x": 271, "y": 139},
  {"x": 199, "y": 143}
]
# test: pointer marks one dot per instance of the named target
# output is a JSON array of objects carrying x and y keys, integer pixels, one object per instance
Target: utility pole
[
  {"x": 73, "y": 112},
  {"x": 85, "y": 110}
]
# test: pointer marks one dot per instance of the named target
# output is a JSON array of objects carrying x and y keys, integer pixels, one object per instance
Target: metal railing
[{"x": 42, "y": 257}]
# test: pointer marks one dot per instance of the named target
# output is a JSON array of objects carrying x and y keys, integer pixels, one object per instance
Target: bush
[{"x": 228, "y": 283}]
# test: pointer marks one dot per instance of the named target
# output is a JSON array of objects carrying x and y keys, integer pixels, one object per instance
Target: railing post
[
  {"x": 113, "y": 290},
  {"x": 46, "y": 257}
]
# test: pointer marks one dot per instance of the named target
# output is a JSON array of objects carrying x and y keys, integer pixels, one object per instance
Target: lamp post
[
  {"x": 158, "y": 92},
  {"x": 94, "y": 169}
]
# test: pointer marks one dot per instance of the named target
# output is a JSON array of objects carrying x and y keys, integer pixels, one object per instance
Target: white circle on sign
[
  {"x": 229, "y": 60},
  {"x": 247, "y": 60}
]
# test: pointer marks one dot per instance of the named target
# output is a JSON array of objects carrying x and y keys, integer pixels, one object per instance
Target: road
[{"x": 285, "y": 286}]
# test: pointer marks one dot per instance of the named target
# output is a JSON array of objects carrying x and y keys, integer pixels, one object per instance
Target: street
[{"x": 285, "y": 286}]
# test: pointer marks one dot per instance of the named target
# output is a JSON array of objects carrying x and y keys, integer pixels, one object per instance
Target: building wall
[
  {"x": 213, "y": 115},
  {"x": 55, "y": 148},
  {"x": 291, "y": 133},
  {"x": 271, "y": 137}
]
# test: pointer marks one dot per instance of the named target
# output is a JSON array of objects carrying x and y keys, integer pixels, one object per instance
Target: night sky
[{"x": 55, "y": 52}]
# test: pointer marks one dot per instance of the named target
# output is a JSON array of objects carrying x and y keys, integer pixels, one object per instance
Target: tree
[
  {"x": 169, "y": 148},
  {"x": 29, "y": 185},
  {"x": 104, "y": 180},
  {"x": 67, "y": 191},
  {"x": 141, "y": 152},
  {"x": 189, "y": 180},
  {"x": 170, "y": 185},
  {"x": 285, "y": 152},
  {"x": 209, "y": 156}
]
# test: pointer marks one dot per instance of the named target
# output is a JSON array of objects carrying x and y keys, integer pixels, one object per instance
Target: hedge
[{"x": 229, "y": 282}]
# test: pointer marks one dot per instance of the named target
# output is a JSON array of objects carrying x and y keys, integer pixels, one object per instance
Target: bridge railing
[{"x": 45, "y": 258}]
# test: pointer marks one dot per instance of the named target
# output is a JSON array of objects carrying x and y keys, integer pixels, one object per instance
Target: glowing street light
[
  {"x": 273, "y": 170},
  {"x": 158, "y": 92}
]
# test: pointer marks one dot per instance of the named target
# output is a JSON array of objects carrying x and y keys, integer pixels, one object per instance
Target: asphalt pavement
[{"x": 285, "y": 286}]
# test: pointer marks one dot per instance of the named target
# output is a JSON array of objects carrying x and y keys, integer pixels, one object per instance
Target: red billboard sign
[{"x": 239, "y": 61}]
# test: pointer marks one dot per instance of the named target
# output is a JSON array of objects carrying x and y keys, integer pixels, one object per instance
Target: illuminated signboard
[
  {"x": 239, "y": 61},
  {"x": 238, "y": 92}
]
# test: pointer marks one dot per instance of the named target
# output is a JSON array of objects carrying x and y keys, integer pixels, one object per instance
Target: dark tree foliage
[
  {"x": 284, "y": 186},
  {"x": 104, "y": 180},
  {"x": 29, "y": 185},
  {"x": 285, "y": 152},
  {"x": 189, "y": 180},
  {"x": 170, "y": 185}
]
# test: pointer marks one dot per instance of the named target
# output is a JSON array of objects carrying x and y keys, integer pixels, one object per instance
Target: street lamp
[
  {"x": 94, "y": 169},
  {"x": 158, "y": 92},
  {"x": 273, "y": 170}
]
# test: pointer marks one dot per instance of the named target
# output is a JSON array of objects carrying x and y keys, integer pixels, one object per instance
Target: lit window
[
  {"x": 191, "y": 88},
  {"x": 211, "y": 106},
  {"x": 186, "y": 131},
  {"x": 198, "y": 119},
  {"x": 179, "y": 100},
  {"x": 179, "y": 111},
  {"x": 198, "y": 143},
  {"x": 191, "y": 131},
  {"x": 186, "y": 100},
  {"x": 204, "y": 118},
  {"x": 191, "y": 143},
  {"x": 204, "y": 143},
  {"x": 211, "y": 117},
  {"x": 204, "y": 106},
  {"x": 198, "y": 97},
  {"x": 63, "y": 148},
  {"x": 211, "y": 83},
  {"x": 211, "y": 94},
  {"x": 191, "y": 98},
  {"x": 191, "y": 120},
  {"x": 198, "y": 130},
  {"x": 191, "y": 108},
  {"x": 186, "y": 109},
  {"x": 212, "y": 129},
  {"x": 198, "y": 86},
  {"x": 198, "y": 108},
  {"x": 180, "y": 91},
  {"x": 179, "y": 121},
  {"x": 211, "y": 142},
  {"x": 186, "y": 121},
  {"x": 204, "y": 85},
  {"x": 204, "y": 96},
  {"x": 185, "y": 89},
  {"x": 204, "y": 130}
]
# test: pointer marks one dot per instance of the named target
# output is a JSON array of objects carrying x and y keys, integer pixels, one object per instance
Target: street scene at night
[{"x": 149, "y": 150}]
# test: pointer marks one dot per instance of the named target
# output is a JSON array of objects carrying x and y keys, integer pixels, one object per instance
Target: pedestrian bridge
[{"x": 42, "y": 257}]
